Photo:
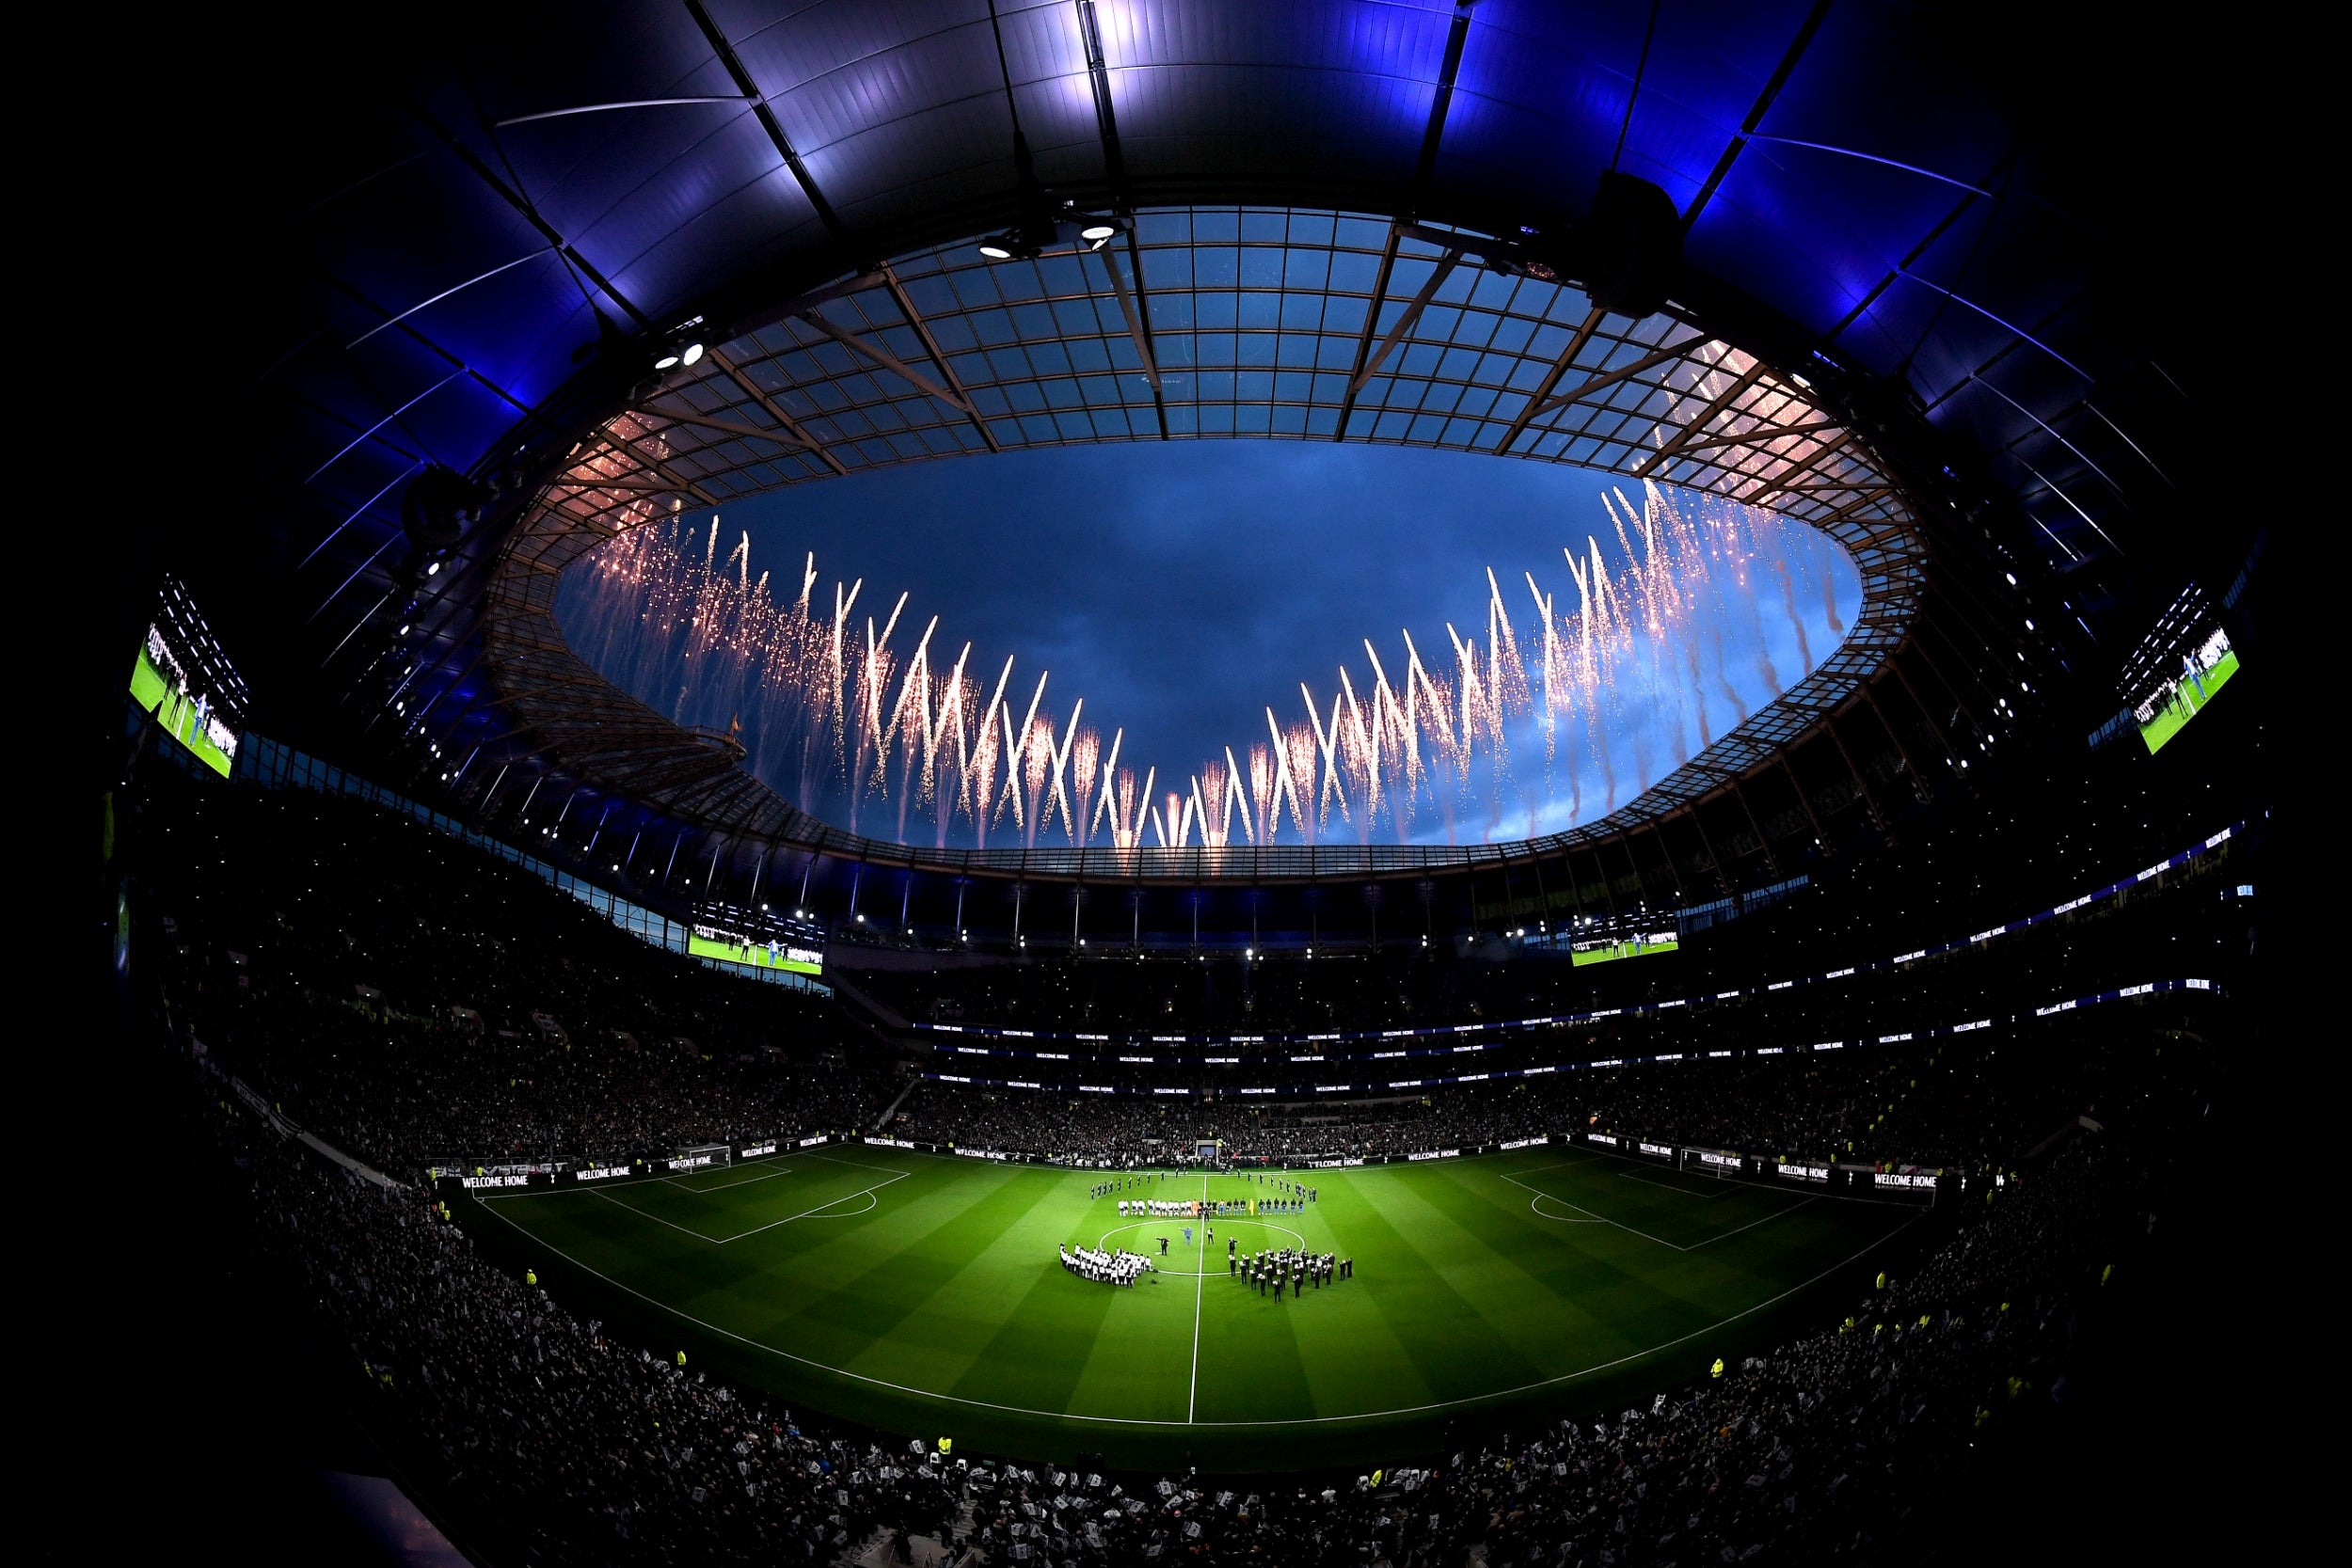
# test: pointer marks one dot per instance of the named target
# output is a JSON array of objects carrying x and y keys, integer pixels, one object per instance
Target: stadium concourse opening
[{"x": 1544, "y": 845}]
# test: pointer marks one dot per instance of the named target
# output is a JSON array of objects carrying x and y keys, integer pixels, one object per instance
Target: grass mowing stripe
[
  {"x": 1485, "y": 1253},
  {"x": 1339, "y": 1339},
  {"x": 944, "y": 1304},
  {"x": 937, "y": 1236},
  {"x": 1028, "y": 1358},
  {"x": 1201, "y": 1270},
  {"x": 1448, "y": 1340}
]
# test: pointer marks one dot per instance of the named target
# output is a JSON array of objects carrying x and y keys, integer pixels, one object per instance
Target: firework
[{"x": 1649, "y": 656}]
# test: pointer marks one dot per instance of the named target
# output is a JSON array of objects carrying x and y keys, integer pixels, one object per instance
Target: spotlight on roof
[
  {"x": 999, "y": 248},
  {"x": 1097, "y": 232},
  {"x": 667, "y": 362},
  {"x": 691, "y": 355}
]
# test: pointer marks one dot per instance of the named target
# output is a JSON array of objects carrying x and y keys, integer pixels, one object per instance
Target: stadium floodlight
[
  {"x": 691, "y": 355},
  {"x": 432, "y": 568},
  {"x": 997, "y": 248},
  {"x": 1098, "y": 231},
  {"x": 667, "y": 362}
]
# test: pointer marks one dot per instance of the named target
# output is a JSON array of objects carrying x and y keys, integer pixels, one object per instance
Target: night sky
[{"x": 1180, "y": 588}]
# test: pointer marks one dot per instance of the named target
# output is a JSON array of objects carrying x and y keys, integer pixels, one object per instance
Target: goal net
[{"x": 701, "y": 1155}]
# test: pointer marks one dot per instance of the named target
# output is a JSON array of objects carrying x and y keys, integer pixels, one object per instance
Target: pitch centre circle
[{"x": 1193, "y": 1274}]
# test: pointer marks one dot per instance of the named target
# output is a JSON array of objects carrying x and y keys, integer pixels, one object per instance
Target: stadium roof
[{"x": 1339, "y": 217}]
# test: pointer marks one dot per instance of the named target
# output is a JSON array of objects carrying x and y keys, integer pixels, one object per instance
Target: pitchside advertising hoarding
[
  {"x": 490, "y": 1180},
  {"x": 1909, "y": 1184}
]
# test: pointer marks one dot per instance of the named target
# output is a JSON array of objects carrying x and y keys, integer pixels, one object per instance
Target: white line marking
[
  {"x": 1653, "y": 1182},
  {"x": 1742, "y": 1180},
  {"x": 1145, "y": 1224},
  {"x": 1135, "y": 1421},
  {"x": 891, "y": 1171},
  {"x": 863, "y": 1192},
  {"x": 1192, "y": 1401},
  {"x": 816, "y": 1212},
  {"x": 1645, "y": 1235},
  {"x": 722, "y": 1186},
  {"x": 655, "y": 1218},
  {"x": 871, "y": 1204},
  {"x": 1534, "y": 1204}
]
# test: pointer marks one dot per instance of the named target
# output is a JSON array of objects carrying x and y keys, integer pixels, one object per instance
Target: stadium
[{"x": 1065, "y": 782}]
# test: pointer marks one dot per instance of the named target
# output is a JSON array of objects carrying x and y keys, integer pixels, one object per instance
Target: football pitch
[{"x": 924, "y": 1294}]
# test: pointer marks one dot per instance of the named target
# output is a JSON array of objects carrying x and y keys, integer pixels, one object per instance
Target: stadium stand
[
  {"x": 560, "y": 1439},
  {"x": 583, "y": 1449}
]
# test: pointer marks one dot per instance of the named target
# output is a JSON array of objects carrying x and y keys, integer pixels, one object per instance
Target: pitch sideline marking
[{"x": 1138, "y": 1421}]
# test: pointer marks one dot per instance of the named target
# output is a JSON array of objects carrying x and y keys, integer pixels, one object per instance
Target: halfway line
[{"x": 1199, "y": 1283}]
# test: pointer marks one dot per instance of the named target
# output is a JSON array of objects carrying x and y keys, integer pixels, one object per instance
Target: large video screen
[
  {"x": 1625, "y": 948},
  {"x": 2204, "y": 673},
  {"x": 728, "y": 947},
  {"x": 181, "y": 676}
]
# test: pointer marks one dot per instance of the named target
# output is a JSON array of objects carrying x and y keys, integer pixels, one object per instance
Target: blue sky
[{"x": 1182, "y": 587}]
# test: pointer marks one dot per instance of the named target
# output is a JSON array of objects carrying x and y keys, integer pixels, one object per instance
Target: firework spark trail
[
  {"x": 1086, "y": 756},
  {"x": 1636, "y": 664},
  {"x": 1213, "y": 788},
  {"x": 1109, "y": 768},
  {"x": 1238, "y": 786},
  {"x": 1266, "y": 786},
  {"x": 1327, "y": 739}
]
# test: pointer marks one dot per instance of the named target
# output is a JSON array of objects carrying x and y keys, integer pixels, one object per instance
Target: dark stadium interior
[{"x": 409, "y": 911}]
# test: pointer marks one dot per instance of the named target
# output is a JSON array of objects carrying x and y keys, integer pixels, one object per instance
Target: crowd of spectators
[
  {"x": 583, "y": 1449},
  {"x": 2175, "y": 922},
  {"x": 1962, "y": 1102},
  {"x": 572, "y": 1445},
  {"x": 410, "y": 1094},
  {"x": 1128, "y": 1133},
  {"x": 419, "y": 1003}
]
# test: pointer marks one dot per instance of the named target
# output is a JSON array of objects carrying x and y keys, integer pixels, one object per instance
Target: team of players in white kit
[{"x": 1294, "y": 1267}]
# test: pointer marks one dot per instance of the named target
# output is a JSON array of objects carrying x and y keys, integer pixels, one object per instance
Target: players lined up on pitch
[
  {"x": 1296, "y": 1268},
  {"x": 1295, "y": 1198},
  {"x": 1104, "y": 1268}
]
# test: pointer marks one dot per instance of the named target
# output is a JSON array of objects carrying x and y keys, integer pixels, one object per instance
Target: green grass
[
  {"x": 750, "y": 957},
  {"x": 2184, "y": 704},
  {"x": 1632, "y": 947},
  {"x": 922, "y": 1293},
  {"x": 176, "y": 711}
]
